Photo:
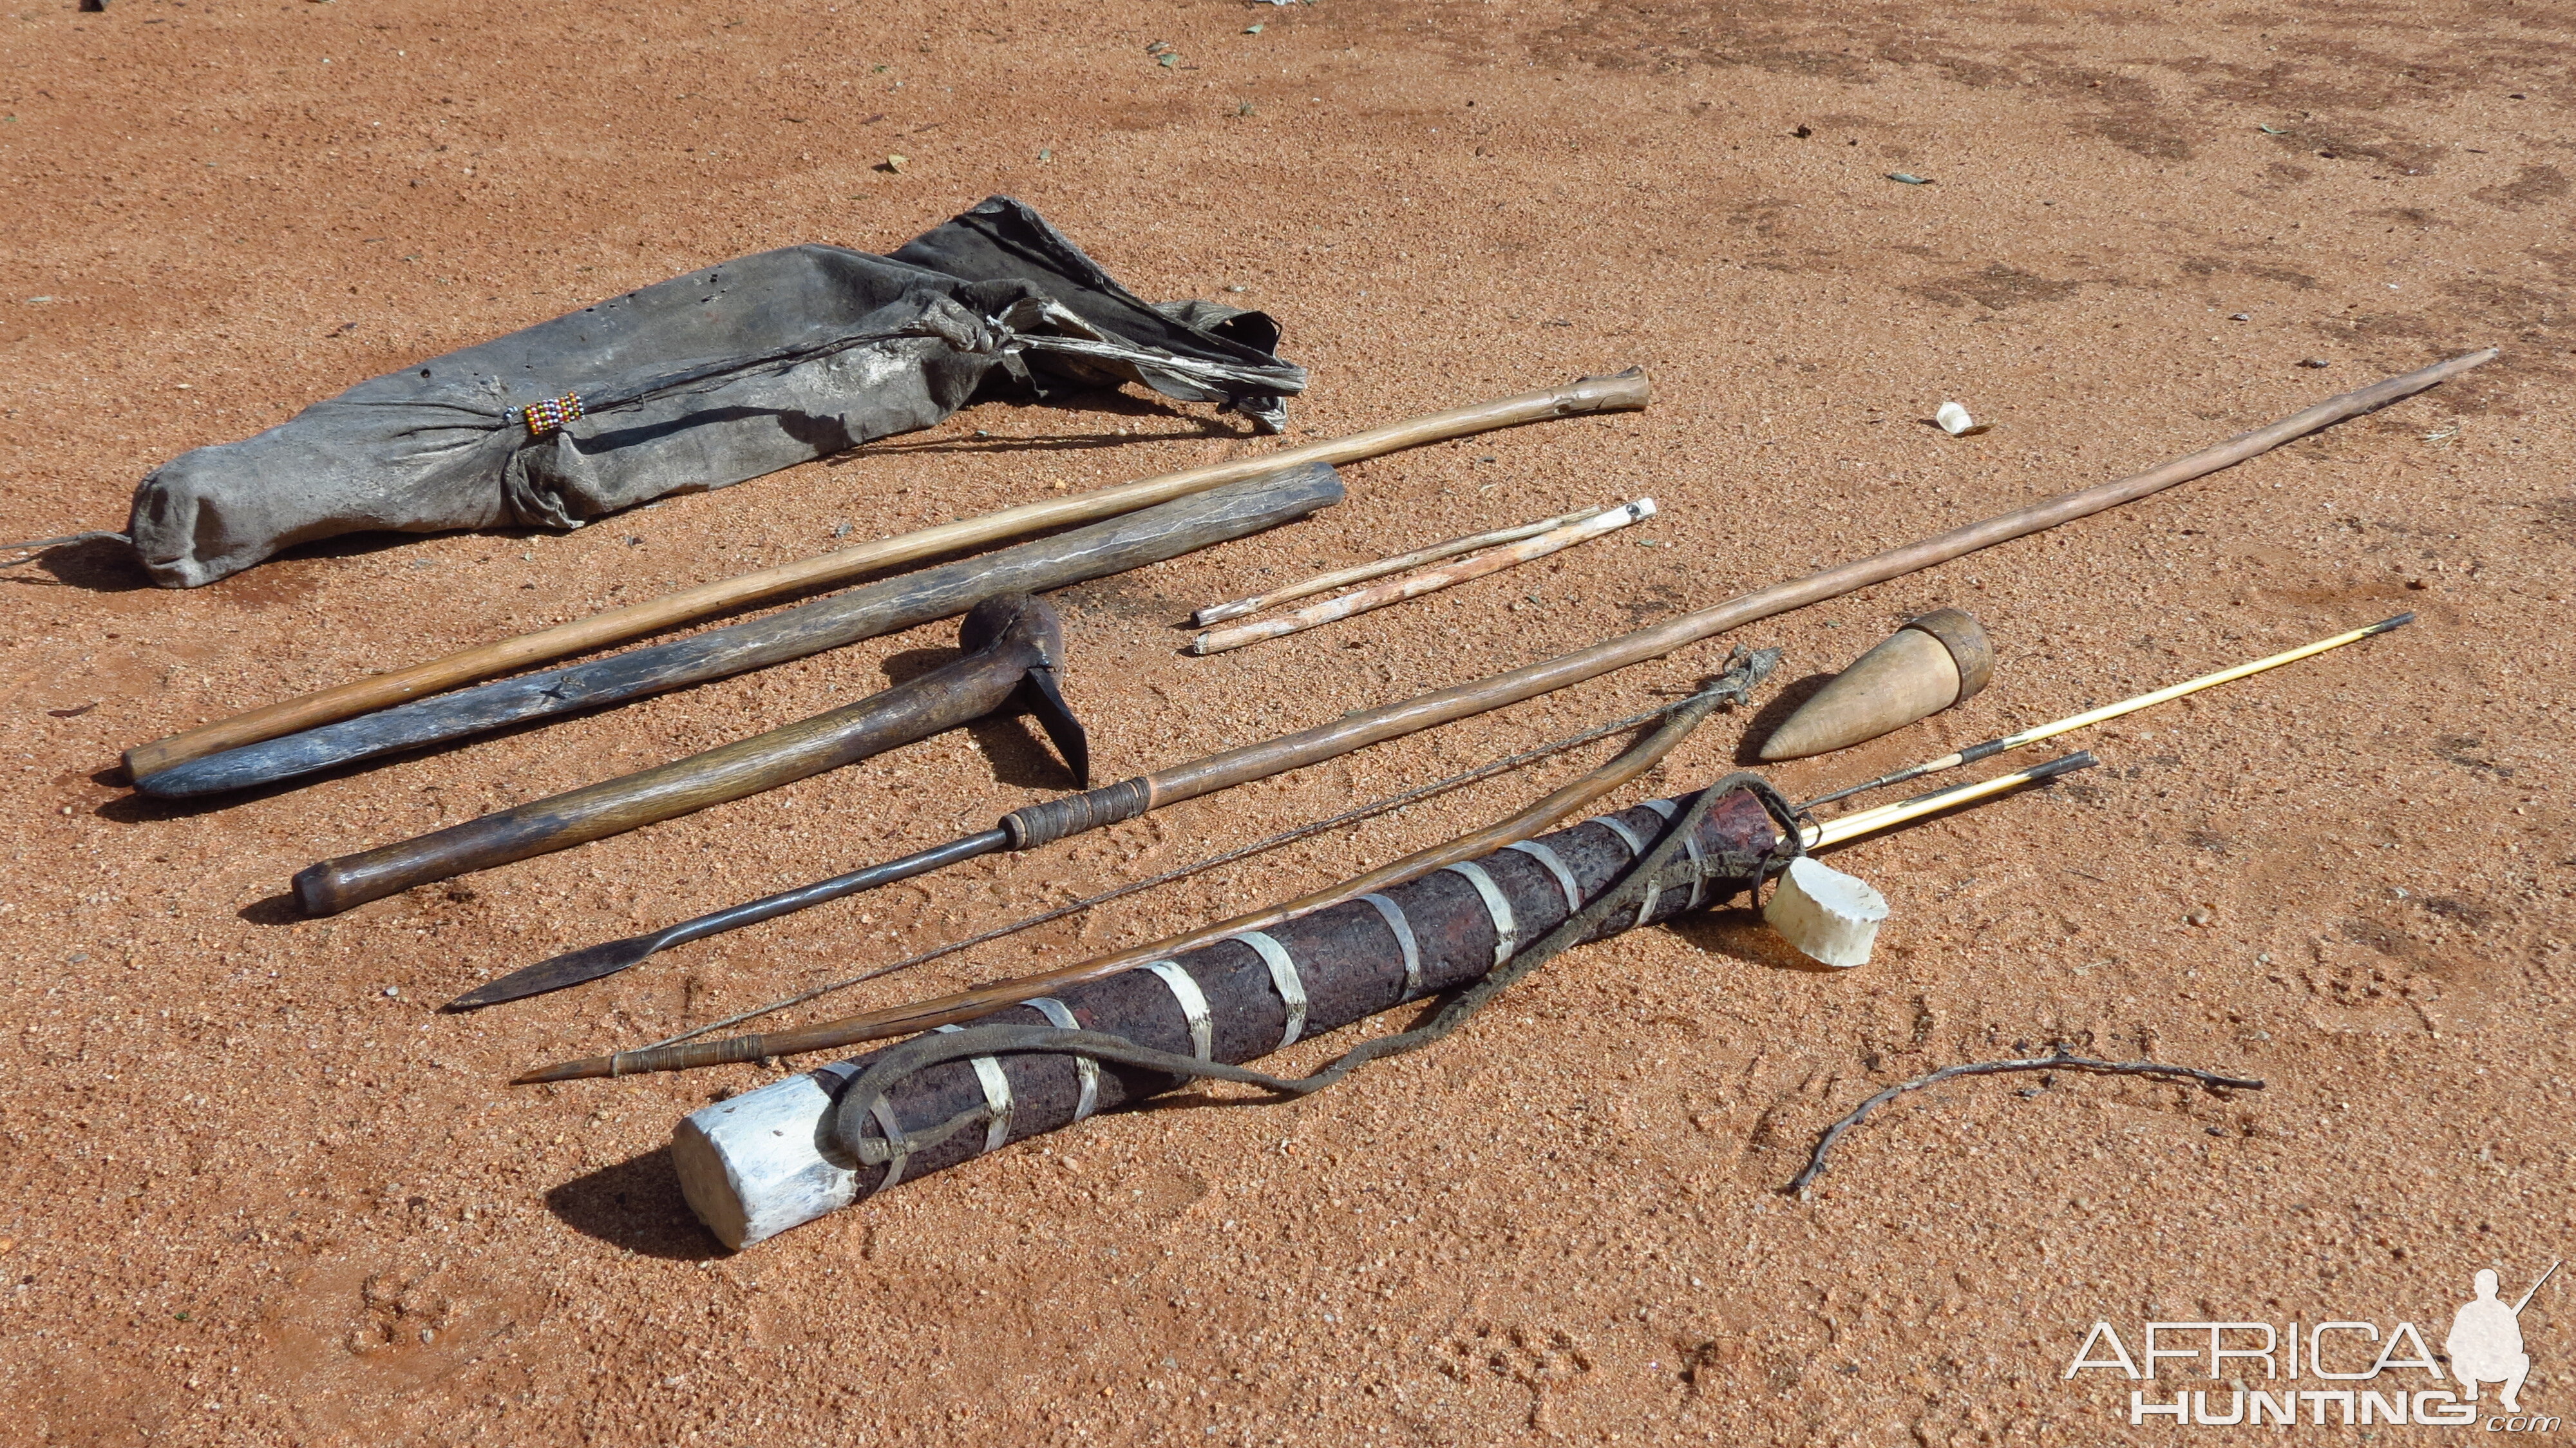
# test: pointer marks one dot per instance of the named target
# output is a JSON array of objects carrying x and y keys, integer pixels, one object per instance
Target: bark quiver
[{"x": 762, "y": 1162}]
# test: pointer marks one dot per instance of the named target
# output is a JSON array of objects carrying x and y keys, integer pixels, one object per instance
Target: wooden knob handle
[{"x": 331, "y": 886}]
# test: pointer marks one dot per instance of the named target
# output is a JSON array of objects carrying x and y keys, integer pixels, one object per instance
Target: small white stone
[{"x": 1955, "y": 421}]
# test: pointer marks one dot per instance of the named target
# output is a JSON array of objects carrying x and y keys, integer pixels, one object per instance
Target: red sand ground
[{"x": 253, "y": 1195}]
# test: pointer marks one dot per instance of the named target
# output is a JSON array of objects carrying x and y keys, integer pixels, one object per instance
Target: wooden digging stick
[
  {"x": 1127, "y": 799},
  {"x": 1624, "y": 392},
  {"x": 1363, "y": 572},
  {"x": 1429, "y": 580}
]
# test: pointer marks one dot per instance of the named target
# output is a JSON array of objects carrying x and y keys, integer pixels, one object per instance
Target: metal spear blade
[
  {"x": 570, "y": 968},
  {"x": 593, "y": 961}
]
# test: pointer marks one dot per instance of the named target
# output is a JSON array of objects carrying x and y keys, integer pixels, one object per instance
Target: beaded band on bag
[{"x": 551, "y": 414}]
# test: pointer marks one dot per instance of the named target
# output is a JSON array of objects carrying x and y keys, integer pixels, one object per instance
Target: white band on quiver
[
  {"x": 1699, "y": 867},
  {"x": 1284, "y": 979},
  {"x": 1498, "y": 909},
  {"x": 1636, "y": 851},
  {"x": 1393, "y": 915},
  {"x": 1085, "y": 1069},
  {"x": 1564, "y": 877},
  {"x": 1193, "y": 1004},
  {"x": 997, "y": 1098}
]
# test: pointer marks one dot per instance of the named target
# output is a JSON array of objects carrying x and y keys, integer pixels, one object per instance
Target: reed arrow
[{"x": 2037, "y": 732}]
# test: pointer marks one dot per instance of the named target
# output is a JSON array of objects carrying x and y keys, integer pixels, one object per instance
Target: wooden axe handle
[
  {"x": 1624, "y": 392},
  {"x": 953, "y": 694}
]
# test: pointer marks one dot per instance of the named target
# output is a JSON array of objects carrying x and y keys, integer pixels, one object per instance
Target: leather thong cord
[{"x": 855, "y": 1112}]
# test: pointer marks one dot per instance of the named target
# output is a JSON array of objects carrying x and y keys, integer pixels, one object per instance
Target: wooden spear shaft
[
  {"x": 1365, "y": 727},
  {"x": 1625, "y": 392}
]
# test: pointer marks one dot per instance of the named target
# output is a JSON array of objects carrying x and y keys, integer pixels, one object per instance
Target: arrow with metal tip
[
  {"x": 1905, "y": 811},
  {"x": 2036, "y": 733}
]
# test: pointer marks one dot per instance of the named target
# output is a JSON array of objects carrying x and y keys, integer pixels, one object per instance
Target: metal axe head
[{"x": 1024, "y": 630}]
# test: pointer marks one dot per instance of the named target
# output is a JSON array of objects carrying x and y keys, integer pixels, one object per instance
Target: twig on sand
[{"x": 2058, "y": 1062}]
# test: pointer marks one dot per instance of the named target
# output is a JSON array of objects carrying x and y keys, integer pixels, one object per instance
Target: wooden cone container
[{"x": 1927, "y": 666}]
